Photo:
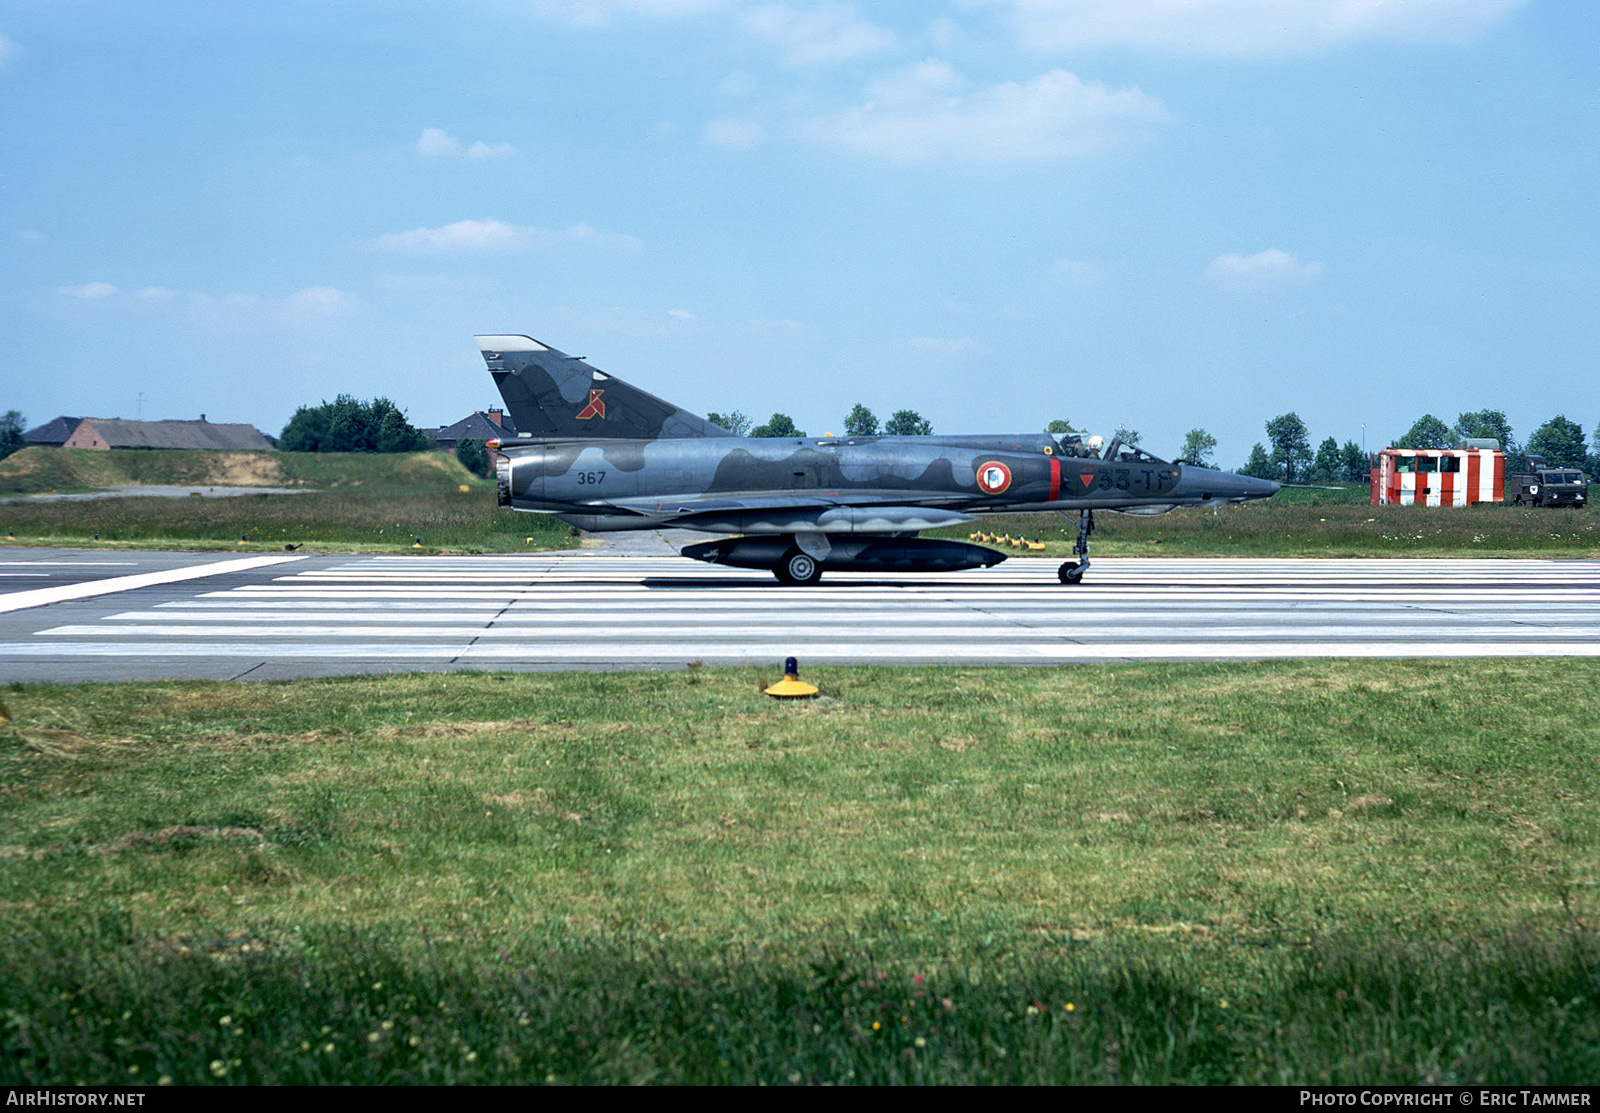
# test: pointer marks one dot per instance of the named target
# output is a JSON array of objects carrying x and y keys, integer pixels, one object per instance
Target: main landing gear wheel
[
  {"x": 797, "y": 569},
  {"x": 1072, "y": 573}
]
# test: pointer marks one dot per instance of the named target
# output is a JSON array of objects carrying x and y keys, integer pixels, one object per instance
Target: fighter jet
[{"x": 601, "y": 454}]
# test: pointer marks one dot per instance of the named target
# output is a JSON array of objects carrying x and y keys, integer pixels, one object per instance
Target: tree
[
  {"x": 349, "y": 425},
  {"x": 396, "y": 434},
  {"x": 1428, "y": 432},
  {"x": 1329, "y": 464},
  {"x": 908, "y": 423},
  {"x": 735, "y": 423},
  {"x": 1197, "y": 448},
  {"x": 11, "y": 433},
  {"x": 861, "y": 422},
  {"x": 1126, "y": 435},
  {"x": 1058, "y": 427},
  {"x": 1594, "y": 457},
  {"x": 1291, "y": 449},
  {"x": 1357, "y": 468},
  {"x": 473, "y": 456},
  {"x": 1484, "y": 423},
  {"x": 1560, "y": 442},
  {"x": 1261, "y": 465},
  {"x": 778, "y": 425}
]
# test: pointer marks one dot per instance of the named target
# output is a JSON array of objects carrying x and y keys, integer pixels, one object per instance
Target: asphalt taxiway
[{"x": 68, "y": 615}]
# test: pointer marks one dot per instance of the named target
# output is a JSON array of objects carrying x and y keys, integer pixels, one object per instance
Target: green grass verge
[
  {"x": 1297, "y": 523},
  {"x": 351, "y": 502},
  {"x": 1281, "y": 872}
]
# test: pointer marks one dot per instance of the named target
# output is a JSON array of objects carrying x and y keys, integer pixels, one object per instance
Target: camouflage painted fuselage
[{"x": 728, "y": 484}]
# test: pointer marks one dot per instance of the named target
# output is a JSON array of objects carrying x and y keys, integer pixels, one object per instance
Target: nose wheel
[{"x": 1072, "y": 571}]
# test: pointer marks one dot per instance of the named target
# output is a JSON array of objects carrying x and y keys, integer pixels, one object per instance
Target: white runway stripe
[
  {"x": 593, "y": 611},
  {"x": 771, "y": 653},
  {"x": 42, "y": 596},
  {"x": 813, "y": 616}
]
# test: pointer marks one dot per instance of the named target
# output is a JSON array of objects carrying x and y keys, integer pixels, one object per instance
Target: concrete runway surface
[{"x": 108, "y": 615}]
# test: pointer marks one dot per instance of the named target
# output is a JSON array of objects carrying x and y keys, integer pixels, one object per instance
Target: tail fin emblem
[{"x": 595, "y": 408}]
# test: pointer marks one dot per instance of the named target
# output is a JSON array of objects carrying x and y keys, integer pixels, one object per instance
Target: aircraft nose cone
[{"x": 1220, "y": 486}]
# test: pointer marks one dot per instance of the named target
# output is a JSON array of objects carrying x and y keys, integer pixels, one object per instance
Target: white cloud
[
  {"x": 939, "y": 346},
  {"x": 1265, "y": 270},
  {"x": 492, "y": 235},
  {"x": 89, "y": 291},
  {"x": 435, "y": 143},
  {"x": 8, "y": 50},
  {"x": 920, "y": 115},
  {"x": 601, "y": 13},
  {"x": 233, "y": 311},
  {"x": 775, "y": 326},
  {"x": 725, "y": 132},
  {"x": 32, "y": 235},
  {"x": 582, "y": 233},
  {"x": 1076, "y": 271},
  {"x": 1246, "y": 28},
  {"x": 463, "y": 235},
  {"x": 321, "y": 300},
  {"x": 253, "y": 312},
  {"x": 680, "y": 315},
  {"x": 438, "y": 143},
  {"x": 418, "y": 283},
  {"x": 829, "y": 32}
]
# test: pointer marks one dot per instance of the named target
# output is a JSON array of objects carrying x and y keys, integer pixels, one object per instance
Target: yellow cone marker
[{"x": 791, "y": 686}]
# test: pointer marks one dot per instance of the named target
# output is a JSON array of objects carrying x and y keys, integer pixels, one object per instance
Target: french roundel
[{"x": 993, "y": 477}]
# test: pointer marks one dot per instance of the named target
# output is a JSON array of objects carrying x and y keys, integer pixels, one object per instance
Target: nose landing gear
[{"x": 1072, "y": 571}]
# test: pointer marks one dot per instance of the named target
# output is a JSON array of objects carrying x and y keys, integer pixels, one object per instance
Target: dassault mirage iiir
[{"x": 601, "y": 454}]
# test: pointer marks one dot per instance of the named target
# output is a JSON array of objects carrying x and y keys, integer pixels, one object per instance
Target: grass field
[
  {"x": 1273, "y": 872},
  {"x": 350, "y": 502}
]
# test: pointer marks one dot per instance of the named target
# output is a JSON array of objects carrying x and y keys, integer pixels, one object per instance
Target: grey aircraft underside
[{"x": 601, "y": 454}]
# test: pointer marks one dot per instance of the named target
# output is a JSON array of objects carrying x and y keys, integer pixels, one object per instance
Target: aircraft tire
[
  {"x": 796, "y": 569},
  {"x": 1071, "y": 573}
]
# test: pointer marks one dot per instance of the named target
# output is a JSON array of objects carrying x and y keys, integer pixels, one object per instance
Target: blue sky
[{"x": 1159, "y": 213}]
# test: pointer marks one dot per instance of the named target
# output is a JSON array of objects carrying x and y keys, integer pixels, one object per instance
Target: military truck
[{"x": 1542, "y": 485}]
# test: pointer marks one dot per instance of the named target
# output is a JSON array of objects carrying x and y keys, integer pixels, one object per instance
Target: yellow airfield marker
[{"x": 791, "y": 686}]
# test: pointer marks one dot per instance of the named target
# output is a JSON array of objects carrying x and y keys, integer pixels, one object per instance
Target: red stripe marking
[{"x": 1055, "y": 479}]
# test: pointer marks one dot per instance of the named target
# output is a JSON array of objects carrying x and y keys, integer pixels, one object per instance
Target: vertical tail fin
[{"x": 553, "y": 395}]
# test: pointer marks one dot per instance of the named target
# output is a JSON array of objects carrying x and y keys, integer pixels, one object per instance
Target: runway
[{"x": 328, "y": 615}]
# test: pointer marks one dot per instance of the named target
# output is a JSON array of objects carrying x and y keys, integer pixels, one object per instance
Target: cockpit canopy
[{"x": 1095, "y": 448}]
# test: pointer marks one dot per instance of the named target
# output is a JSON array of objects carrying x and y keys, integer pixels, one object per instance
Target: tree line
[
  {"x": 859, "y": 422},
  {"x": 1290, "y": 459}
]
